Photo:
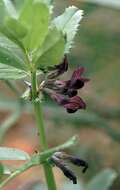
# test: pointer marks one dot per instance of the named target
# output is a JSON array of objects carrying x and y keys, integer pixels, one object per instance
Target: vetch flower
[
  {"x": 76, "y": 82},
  {"x": 74, "y": 104},
  {"x": 65, "y": 92},
  {"x": 61, "y": 159},
  {"x": 73, "y": 159},
  {"x": 67, "y": 172}
]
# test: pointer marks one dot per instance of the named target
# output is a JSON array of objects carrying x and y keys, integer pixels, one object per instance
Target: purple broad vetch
[
  {"x": 60, "y": 159},
  {"x": 65, "y": 92}
]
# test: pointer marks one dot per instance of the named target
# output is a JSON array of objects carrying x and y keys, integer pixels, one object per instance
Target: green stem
[
  {"x": 34, "y": 85},
  {"x": 16, "y": 173},
  {"x": 38, "y": 159},
  {"x": 41, "y": 131}
]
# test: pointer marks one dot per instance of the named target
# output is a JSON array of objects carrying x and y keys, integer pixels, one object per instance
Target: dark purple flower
[
  {"x": 61, "y": 165},
  {"x": 76, "y": 81},
  {"x": 74, "y": 104},
  {"x": 60, "y": 99},
  {"x": 71, "y": 104},
  {"x": 65, "y": 92},
  {"x": 61, "y": 160},
  {"x": 71, "y": 86}
]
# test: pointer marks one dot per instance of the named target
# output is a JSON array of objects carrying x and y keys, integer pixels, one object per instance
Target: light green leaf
[
  {"x": 11, "y": 35},
  {"x": 68, "y": 23},
  {"x": 2, "y": 12},
  {"x": 16, "y": 28},
  {"x": 4, "y": 170},
  {"x": 48, "y": 2},
  {"x": 11, "y": 73},
  {"x": 52, "y": 50},
  {"x": 35, "y": 16},
  {"x": 39, "y": 187},
  {"x": 13, "y": 154},
  {"x": 102, "y": 181},
  {"x": 108, "y": 3},
  {"x": 11, "y": 54},
  {"x": 7, "y": 171},
  {"x": 71, "y": 186},
  {"x": 10, "y": 8}
]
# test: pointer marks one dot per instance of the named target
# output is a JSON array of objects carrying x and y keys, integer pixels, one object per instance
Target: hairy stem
[{"x": 41, "y": 132}]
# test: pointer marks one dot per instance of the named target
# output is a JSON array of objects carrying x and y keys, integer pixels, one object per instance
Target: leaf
[
  {"x": 13, "y": 154},
  {"x": 2, "y": 12},
  {"x": 48, "y": 2},
  {"x": 39, "y": 187},
  {"x": 71, "y": 186},
  {"x": 35, "y": 16},
  {"x": 1, "y": 171},
  {"x": 10, "y": 8},
  {"x": 7, "y": 171},
  {"x": 102, "y": 181},
  {"x": 52, "y": 50},
  {"x": 16, "y": 28},
  {"x": 11, "y": 73},
  {"x": 4, "y": 170},
  {"x": 108, "y": 3},
  {"x": 68, "y": 23},
  {"x": 11, "y": 54},
  {"x": 11, "y": 36}
]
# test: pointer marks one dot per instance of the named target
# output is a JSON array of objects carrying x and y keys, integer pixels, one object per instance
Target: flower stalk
[{"x": 41, "y": 131}]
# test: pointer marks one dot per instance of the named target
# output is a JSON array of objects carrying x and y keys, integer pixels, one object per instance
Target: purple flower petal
[
  {"x": 60, "y": 99},
  {"x": 78, "y": 72},
  {"x": 71, "y": 92},
  {"x": 76, "y": 81},
  {"x": 74, "y": 104},
  {"x": 71, "y": 104}
]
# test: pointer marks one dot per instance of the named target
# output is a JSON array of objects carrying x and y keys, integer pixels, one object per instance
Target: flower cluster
[{"x": 65, "y": 92}]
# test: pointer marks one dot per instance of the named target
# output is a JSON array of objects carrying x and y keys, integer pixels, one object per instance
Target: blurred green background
[{"x": 97, "y": 48}]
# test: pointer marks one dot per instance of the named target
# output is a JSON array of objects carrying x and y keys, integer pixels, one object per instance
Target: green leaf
[
  {"x": 16, "y": 28},
  {"x": 7, "y": 171},
  {"x": 13, "y": 154},
  {"x": 70, "y": 186},
  {"x": 11, "y": 54},
  {"x": 68, "y": 23},
  {"x": 11, "y": 73},
  {"x": 39, "y": 187},
  {"x": 2, "y": 12},
  {"x": 52, "y": 50},
  {"x": 1, "y": 171},
  {"x": 11, "y": 36},
  {"x": 10, "y": 8},
  {"x": 35, "y": 16},
  {"x": 48, "y": 2},
  {"x": 102, "y": 181},
  {"x": 107, "y": 3}
]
